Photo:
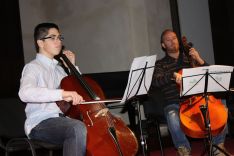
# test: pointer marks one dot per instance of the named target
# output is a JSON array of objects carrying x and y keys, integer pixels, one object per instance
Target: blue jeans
[
  {"x": 178, "y": 137},
  {"x": 70, "y": 133}
]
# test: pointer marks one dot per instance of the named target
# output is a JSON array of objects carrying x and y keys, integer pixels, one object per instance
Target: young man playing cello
[
  {"x": 39, "y": 88},
  {"x": 166, "y": 78}
]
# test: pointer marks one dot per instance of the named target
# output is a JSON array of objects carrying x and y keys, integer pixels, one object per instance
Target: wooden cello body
[
  {"x": 106, "y": 135},
  {"x": 192, "y": 120}
]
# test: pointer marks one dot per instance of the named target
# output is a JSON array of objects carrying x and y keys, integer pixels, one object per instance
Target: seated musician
[
  {"x": 39, "y": 88},
  {"x": 166, "y": 78}
]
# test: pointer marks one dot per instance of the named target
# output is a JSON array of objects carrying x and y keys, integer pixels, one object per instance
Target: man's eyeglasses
[{"x": 53, "y": 38}]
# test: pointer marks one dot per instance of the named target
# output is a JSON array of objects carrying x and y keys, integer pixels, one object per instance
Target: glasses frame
[{"x": 53, "y": 38}]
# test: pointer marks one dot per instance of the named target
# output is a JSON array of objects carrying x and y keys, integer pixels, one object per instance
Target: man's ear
[
  {"x": 40, "y": 43},
  {"x": 163, "y": 45}
]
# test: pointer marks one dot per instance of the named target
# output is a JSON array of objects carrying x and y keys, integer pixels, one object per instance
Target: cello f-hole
[{"x": 91, "y": 121}]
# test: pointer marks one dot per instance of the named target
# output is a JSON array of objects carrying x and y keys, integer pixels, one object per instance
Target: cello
[
  {"x": 106, "y": 135},
  {"x": 200, "y": 109}
]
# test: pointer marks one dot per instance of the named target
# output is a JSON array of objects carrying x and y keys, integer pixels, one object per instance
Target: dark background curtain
[
  {"x": 12, "y": 58},
  {"x": 222, "y": 25}
]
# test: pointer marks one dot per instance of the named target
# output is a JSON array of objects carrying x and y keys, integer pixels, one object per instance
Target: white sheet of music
[
  {"x": 136, "y": 74},
  {"x": 193, "y": 79}
]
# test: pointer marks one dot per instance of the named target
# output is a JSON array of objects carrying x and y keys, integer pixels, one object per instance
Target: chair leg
[
  {"x": 15, "y": 140},
  {"x": 50, "y": 152},
  {"x": 159, "y": 137},
  {"x": 31, "y": 147},
  {"x": 6, "y": 153}
]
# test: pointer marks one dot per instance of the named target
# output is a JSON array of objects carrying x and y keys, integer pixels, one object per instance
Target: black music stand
[
  {"x": 209, "y": 79},
  {"x": 139, "y": 82}
]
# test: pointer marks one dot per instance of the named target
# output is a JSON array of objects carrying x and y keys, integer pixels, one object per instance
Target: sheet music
[
  {"x": 136, "y": 74},
  {"x": 193, "y": 79},
  {"x": 219, "y": 75}
]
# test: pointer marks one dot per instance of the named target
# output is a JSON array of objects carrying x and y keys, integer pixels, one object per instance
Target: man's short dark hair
[
  {"x": 41, "y": 30},
  {"x": 164, "y": 32}
]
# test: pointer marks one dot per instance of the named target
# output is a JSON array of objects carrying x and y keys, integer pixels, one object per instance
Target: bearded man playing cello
[{"x": 166, "y": 78}]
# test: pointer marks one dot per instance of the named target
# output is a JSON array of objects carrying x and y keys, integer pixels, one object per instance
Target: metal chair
[
  {"x": 154, "y": 113},
  {"x": 12, "y": 136},
  {"x": 157, "y": 121}
]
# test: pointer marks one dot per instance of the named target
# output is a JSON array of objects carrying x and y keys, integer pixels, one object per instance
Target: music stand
[
  {"x": 139, "y": 81},
  {"x": 215, "y": 78}
]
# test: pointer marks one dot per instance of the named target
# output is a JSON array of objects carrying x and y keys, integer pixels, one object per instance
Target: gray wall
[
  {"x": 105, "y": 34},
  {"x": 195, "y": 25}
]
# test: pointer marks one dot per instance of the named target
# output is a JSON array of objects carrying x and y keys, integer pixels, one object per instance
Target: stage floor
[{"x": 197, "y": 148}]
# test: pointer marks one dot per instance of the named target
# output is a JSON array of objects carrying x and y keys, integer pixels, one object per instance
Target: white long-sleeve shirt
[{"x": 39, "y": 88}]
